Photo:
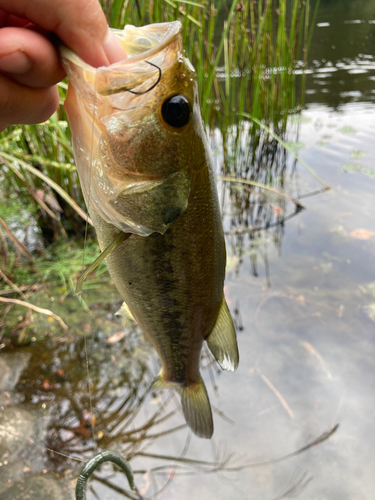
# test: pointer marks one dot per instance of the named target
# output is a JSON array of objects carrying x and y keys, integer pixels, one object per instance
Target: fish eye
[{"x": 176, "y": 111}]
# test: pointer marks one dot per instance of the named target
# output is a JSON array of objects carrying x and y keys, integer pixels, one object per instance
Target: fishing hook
[
  {"x": 153, "y": 86},
  {"x": 89, "y": 468}
]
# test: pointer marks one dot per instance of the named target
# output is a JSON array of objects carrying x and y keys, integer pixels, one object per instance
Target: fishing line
[
  {"x": 31, "y": 441},
  {"x": 92, "y": 426},
  {"x": 86, "y": 227},
  {"x": 94, "y": 114}
]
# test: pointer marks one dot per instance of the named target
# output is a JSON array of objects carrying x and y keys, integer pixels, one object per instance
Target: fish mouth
[
  {"x": 150, "y": 49},
  {"x": 147, "y": 40}
]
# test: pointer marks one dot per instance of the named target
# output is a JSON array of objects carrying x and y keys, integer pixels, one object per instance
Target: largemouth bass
[{"x": 145, "y": 168}]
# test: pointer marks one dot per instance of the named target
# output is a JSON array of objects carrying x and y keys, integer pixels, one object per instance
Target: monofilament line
[{"x": 92, "y": 425}]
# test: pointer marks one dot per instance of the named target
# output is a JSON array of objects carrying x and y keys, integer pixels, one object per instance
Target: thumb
[{"x": 113, "y": 48}]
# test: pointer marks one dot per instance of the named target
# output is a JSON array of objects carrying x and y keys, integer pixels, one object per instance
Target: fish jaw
[{"x": 121, "y": 139}]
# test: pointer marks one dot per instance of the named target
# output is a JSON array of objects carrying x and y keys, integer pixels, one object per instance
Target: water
[{"x": 303, "y": 296}]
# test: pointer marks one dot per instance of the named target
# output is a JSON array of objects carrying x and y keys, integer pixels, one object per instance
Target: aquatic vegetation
[
  {"x": 350, "y": 168},
  {"x": 245, "y": 57},
  {"x": 305, "y": 298},
  {"x": 347, "y": 130},
  {"x": 357, "y": 154},
  {"x": 70, "y": 432}
]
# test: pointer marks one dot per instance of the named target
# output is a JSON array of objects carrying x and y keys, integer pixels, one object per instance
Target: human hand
[{"x": 29, "y": 62}]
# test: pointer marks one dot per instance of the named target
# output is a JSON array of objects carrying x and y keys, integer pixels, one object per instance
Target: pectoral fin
[
  {"x": 115, "y": 243},
  {"x": 154, "y": 205},
  {"x": 222, "y": 340}
]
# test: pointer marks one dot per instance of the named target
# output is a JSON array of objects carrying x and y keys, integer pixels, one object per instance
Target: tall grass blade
[{"x": 217, "y": 58}]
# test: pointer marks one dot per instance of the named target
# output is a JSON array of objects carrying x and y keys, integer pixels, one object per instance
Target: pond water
[{"x": 301, "y": 287}]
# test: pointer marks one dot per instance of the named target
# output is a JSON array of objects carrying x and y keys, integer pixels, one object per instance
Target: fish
[{"x": 146, "y": 170}]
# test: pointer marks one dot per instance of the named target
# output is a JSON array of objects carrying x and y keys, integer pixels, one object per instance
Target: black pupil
[{"x": 176, "y": 111}]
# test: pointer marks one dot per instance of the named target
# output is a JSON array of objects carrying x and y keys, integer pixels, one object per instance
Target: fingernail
[
  {"x": 17, "y": 63},
  {"x": 113, "y": 49}
]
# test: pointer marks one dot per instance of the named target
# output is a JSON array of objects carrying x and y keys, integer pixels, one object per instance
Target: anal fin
[
  {"x": 125, "y": 312},
  {"x": 222, "y": 340}
]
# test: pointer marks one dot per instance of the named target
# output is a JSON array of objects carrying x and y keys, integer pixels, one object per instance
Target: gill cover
[{"x": 133, "y": 170}]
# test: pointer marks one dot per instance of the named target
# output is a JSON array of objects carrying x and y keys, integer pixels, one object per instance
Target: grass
[{"x": 244, "y": 56}]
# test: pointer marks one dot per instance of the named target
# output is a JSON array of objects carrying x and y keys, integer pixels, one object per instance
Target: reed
[{"x": 245, "y": 54}]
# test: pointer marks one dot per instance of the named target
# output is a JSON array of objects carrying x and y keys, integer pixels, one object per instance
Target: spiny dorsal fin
[{"x": 222, "y": 340}]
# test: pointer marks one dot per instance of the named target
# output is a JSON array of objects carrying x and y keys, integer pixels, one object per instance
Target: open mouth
[{"x": 150, "y": 50}]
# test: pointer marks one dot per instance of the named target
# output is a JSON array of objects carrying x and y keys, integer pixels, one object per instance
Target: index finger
[{"x": 80, "y": 24}]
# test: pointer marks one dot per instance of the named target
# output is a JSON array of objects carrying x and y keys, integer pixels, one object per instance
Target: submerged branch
[
  {"x": 12, "y": 285},
  {"x": 262, "y": 186},
  {"x": 116, "y": 488},
  {"x": 297, "y": 487},
  {"x": 214, "y": 466},
  {"x": 21, "y": 247},
  {"x": 323, "y": 437},
  {"x": 47, "y": 312}
]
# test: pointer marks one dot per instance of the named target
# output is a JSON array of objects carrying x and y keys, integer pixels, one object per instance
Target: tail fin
[
  {"x": 197, "y": 409},
  {"x": 195, "y": 406}
]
